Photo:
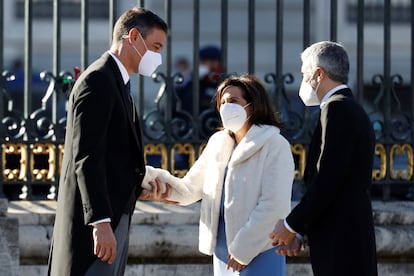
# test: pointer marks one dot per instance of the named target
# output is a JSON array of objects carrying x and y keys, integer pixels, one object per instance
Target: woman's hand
[
  {"x": 233, "y": 264},
  {"x": 156, "y": 194}
]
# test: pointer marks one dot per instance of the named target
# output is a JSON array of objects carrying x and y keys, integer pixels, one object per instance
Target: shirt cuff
[
  {"x": 100, "y": 221},
  {"x": 299, "y": 236},
  {"x": 288, "y": 227}
]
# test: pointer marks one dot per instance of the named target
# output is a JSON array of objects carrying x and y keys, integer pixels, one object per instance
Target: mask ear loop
[
  {"x": 317, "y": 86},
  {"x": 316, "y": 89},
  {"x": 136, "y": 50},
  {"x": 246, "y": 105},
  {"x": 143, "y": 41},
  {"x": 133, "y": 46}
]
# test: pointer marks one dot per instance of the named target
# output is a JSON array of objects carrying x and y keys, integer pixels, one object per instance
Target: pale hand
[
  {"x": 104, "y": 242},
  {"x": 156, "y": 194},
  {"x": 281, "y": 235}
]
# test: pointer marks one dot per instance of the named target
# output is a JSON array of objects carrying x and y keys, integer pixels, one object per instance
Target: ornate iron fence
[{"x": 31, "y": 136}]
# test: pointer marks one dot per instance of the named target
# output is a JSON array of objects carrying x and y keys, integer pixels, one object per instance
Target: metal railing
[{"x": 32, "y": 138}]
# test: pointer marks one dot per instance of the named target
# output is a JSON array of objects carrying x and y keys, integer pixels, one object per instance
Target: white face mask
[
  {"x": 203, "y": 70},
  {"x": 308, "y": 94},
  {"x": 233, "y": 116},
  {"x": 149, "y": 61}
]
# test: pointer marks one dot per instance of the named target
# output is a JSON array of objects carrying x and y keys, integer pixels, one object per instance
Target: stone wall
[
  {"x": 9, "y": 245},
  {"x": 164, "y": 240}
]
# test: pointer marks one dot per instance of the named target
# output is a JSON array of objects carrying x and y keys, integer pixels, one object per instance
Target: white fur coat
[{"x": 257, "y": 187}]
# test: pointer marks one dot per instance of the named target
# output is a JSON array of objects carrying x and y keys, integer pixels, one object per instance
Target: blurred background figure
[
  {"x": 209, "y": 75},
  {"x": 182, "y": 66}
]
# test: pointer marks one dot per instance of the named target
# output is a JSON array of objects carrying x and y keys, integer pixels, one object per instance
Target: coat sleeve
[
  {"x": 92, "y": 104},
  {"x": 274, "y": 203},
  {"x": 189, "y": 189},
  {"x": 339, "y": 127},
  {"x": 186, "y": 190}
]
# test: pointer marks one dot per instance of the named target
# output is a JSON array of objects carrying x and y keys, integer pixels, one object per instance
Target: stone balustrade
[{"x": 164, "y": 239}]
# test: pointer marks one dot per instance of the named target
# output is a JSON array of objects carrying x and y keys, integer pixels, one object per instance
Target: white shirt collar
[
  {"x": 121, "y": 67},
  {"x": 330, "y": 93}
]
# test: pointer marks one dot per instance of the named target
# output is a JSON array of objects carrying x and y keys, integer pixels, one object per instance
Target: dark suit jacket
[
  {"x": 335, "y": 212},
  {"x": 102, "y": 168}
]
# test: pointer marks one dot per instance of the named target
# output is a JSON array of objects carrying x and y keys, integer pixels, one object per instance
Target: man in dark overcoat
[
  {"x": 103, "y": 162},
  {"x": 335, "y": 212}
]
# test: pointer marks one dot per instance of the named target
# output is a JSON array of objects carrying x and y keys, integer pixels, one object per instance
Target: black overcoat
[
  {"x": 102, "y": 167},
  {"x": 335, "y": 212}
]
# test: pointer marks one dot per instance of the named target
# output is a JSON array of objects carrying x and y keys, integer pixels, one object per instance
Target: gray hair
[{"x": 330, "y": 56}]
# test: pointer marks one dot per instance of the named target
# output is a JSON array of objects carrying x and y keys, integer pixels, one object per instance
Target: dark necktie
[
  {"x": 130, "y": 106},
  {"x": 128, "y": 88}
]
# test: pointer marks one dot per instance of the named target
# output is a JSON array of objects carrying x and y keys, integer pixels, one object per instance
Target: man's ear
[
  {"x": 320, "y": 74},
  {"x": 133, "y": 34}
]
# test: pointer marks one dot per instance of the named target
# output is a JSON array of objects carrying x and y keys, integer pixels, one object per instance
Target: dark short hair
[
  {"x": 142, "y": 19},
  {"x": 210, "y": 52},
  {"x": 255, "y": 93}
]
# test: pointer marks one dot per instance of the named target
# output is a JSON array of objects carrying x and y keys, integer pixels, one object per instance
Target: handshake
[{"x": 164, "y": 178}]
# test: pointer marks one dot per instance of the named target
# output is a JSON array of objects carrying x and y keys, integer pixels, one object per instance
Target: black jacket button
[{"x": 139, "y": 172}]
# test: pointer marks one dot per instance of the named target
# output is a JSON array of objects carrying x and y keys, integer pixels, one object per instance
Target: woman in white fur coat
[{"x": 243, "y": 177}]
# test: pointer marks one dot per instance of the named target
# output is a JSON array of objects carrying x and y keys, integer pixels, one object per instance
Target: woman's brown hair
[{"x": 255, "y": 93}]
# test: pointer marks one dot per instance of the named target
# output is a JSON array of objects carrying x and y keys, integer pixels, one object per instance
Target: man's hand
[
  {"x": 292, "y": 249},
  {"x": 156, "y": 194},
  {"x": 233, "y": 264},
  {"x": 281, "y": 235},
  {"x": 104, "y": 242}
]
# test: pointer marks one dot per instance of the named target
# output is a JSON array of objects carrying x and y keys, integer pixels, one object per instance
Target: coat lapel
[
  {"x": 251, "y": 143},
  {"x": 313, "y": 153},
  {"x": 136, "y": 132},
  {"x": 317, "y": 142}
]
